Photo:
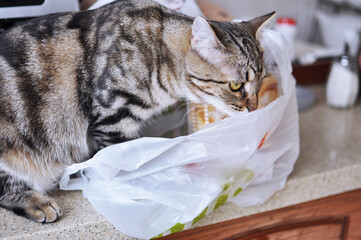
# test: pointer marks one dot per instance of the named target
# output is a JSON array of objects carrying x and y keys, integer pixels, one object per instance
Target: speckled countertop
[{"x": 329, "y": 163}]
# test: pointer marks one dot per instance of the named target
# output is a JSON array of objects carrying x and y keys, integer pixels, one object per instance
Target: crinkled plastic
[{"x": 152, "y": 186}]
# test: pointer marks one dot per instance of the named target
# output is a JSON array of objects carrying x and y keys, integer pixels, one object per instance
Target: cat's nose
[
  {"x": 251, "y": 109},
  {"x": 252, "y": 105}
]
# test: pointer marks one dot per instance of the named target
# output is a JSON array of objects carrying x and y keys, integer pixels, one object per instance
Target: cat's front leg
[{"x": 17, "y": 197}]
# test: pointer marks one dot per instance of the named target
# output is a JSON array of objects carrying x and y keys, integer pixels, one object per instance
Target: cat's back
[
  {"x": 45, "y": 62},
  {"x": 39, "y": 62},
  {"x": 42, "y": 36}
]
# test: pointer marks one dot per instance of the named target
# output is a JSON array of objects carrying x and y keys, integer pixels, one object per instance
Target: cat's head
[{"x": 224, "y": 64}]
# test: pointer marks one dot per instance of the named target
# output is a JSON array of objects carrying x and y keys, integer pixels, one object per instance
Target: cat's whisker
[
  {"x": 184, "y": 104},
  {"x": 189, "y": 110},
  {"x": 267, "y": 59}
]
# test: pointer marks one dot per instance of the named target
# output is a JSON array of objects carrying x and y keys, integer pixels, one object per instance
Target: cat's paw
[{"x": 41, "y": 208}]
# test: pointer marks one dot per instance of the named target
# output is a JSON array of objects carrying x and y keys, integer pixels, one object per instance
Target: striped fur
[{"x": 73, "y": 83}]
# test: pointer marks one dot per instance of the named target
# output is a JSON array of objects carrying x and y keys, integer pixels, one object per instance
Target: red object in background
[{"x": 286, "y": 20}]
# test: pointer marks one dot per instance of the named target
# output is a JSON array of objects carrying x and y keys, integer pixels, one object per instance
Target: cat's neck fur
[{"x": 178, "y": 37}]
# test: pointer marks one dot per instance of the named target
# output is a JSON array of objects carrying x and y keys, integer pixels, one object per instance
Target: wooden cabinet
[
  {"x": 331, "y": 218},
  {"x": 324, "y": 228},
  {"x": 312, "y": 74}
]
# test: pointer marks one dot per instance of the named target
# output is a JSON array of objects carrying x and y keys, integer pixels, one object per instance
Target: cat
[{"x": 74, "y": 83}]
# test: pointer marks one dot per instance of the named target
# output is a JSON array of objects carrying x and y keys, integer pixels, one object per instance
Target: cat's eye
[{"x": 235, "y": 86}]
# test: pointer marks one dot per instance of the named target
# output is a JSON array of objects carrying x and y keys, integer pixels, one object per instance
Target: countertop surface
[{"x": 329, "y": 163}]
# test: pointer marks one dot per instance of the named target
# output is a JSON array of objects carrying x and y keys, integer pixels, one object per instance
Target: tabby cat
[{"x": 73, "y": 83}]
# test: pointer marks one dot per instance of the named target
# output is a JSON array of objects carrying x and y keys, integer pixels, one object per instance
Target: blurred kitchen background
[
  {"x": 325, "y": 22},
  {"x": 318, "y": 29},
  {"x": 325, "y": 36},
  {"x": 321, "y": 28}
]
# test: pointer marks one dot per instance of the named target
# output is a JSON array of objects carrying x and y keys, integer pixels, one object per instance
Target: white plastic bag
[{"x": 150, "y": 186}]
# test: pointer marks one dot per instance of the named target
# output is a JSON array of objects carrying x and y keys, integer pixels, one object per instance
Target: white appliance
[{"x": 35, "y": 8}]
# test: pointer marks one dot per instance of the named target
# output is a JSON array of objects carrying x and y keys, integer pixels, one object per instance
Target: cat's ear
[
  {"x": 205, "y": 43},
  {"x": 257, "y": 23}
]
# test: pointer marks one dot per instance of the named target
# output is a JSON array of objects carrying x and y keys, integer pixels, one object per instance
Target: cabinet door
[
  {"x": 328, "y": 228},
  {"x": 335, "y": 217},
  {"x": 334, "y": 228}
]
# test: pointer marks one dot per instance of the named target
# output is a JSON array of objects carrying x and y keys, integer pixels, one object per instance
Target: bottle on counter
[
  {"x": 343, "y": 84},
  {"x": 287, "y": 27}
]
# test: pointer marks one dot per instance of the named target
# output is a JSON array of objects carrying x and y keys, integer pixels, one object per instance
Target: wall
[{"x": 301, "y": 10}]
